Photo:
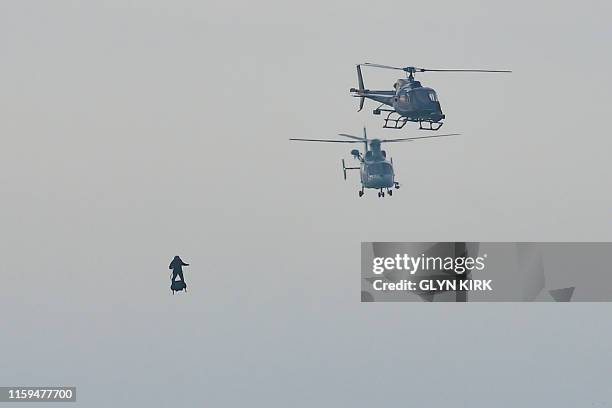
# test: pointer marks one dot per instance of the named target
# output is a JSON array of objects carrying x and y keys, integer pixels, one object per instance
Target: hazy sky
[{"x": 133, "y": 131}]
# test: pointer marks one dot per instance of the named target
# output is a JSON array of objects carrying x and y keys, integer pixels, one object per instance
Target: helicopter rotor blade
[
  {"x": 419, "y": 69},
  {"x": 326, "y": 140},
  {"x": 409, "y": 139},
  {"x": 369, "y": 64},
  {"x": 461, "y": 70},
  {"x": 361, "y": 139}
]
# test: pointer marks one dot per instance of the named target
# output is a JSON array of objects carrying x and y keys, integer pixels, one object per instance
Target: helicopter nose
[{"x": 381, "y": 180}]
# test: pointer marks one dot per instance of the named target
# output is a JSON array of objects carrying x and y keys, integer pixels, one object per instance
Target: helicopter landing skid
[
  {"x": 432, "y": 125},
  {"x": 393, "y": 120}
]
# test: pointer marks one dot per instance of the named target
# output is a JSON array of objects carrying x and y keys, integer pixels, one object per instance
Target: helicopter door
[{"x": 404, "y": 98}]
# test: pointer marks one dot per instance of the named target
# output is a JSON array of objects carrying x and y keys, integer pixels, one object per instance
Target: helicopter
[
  {"x": 376, "y": 172},
  {"x": 409, "y": 101}
]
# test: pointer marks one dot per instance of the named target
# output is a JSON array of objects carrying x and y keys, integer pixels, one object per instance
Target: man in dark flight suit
[{"x": 177, "y": 268}]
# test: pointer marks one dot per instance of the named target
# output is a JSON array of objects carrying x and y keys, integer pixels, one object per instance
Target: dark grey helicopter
[
  {"x": 410, "y": 101},
  {"x": 375, "y": 170}
]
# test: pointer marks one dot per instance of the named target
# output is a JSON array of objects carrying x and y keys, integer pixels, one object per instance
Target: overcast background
[{"x": 133, "y": 131}]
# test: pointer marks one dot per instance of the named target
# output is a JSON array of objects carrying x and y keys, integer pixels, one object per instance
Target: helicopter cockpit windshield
[
  {"x": 381, "y": 169},
  {"x": 424, "y": 96}
]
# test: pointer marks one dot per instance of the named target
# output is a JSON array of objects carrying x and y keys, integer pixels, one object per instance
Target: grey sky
[{"x": 137, "y": 130}]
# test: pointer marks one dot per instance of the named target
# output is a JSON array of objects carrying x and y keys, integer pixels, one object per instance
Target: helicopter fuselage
[
  {"x": 375, "y": 170},
  {"x": 410, "y": 100},
  {"x": 377, "y": 174},
  {"x": 415, "y": 102}
]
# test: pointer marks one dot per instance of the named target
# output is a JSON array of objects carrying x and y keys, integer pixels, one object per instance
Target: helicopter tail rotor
[{"x": 344, "y": 169}]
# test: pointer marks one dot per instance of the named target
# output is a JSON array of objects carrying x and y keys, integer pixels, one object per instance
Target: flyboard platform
[{"x": 177, "y": 286}]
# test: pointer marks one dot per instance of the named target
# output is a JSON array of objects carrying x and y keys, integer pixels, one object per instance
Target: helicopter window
[
  {"x": 404, "y": 97},
  {"x": 421, "y": 96},
  {"x": 433, "y": 96}
]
